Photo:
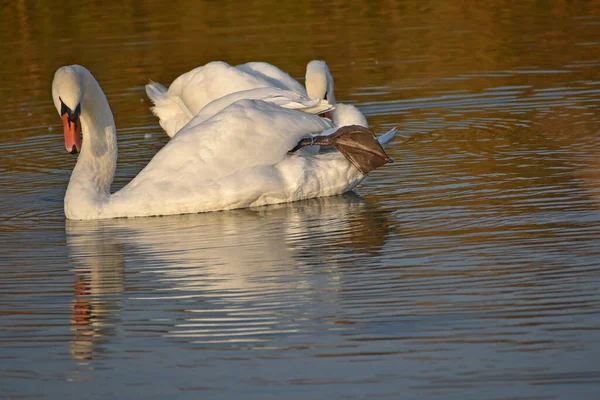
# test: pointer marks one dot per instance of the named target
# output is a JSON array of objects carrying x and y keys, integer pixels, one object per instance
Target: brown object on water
[{"x": 358, "y": 144}]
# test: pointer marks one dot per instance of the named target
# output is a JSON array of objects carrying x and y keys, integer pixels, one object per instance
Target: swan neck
[
  {"x": 89, "y": 187},
  {"x": 319, "y": 82},
  {"x": 330, "y": 91}
]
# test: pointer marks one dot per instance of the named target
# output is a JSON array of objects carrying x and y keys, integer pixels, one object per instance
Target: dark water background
[{"x": 468, "y": 269}]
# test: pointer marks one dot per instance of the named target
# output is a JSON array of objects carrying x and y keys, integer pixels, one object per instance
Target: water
[{"x": 467, "y": 269}]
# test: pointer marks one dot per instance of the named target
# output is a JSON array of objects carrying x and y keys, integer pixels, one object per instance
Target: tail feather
[
  {"x": 312, "y": 106},
  {"x": 321, "y": 106},
  {"x": 387, "y": 137},
  {"x": 155, "y": 91},
  {"x": 170, "y": 110}
]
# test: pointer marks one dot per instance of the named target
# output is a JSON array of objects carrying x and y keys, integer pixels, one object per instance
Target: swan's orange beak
[{"x": 72, "y": 134}]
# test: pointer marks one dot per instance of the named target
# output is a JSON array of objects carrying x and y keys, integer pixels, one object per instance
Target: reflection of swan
[
  {"x": 239, "y": 158},
  {"x": 209, "y": 88},
  {"x": 245, "y": 268},
  {"x": 98, "y": 270}
]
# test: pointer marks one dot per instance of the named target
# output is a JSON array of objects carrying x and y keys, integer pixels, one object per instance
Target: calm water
[{"x": 468, "y": 269}]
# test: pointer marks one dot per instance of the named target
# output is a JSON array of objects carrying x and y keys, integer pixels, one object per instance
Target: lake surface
[{"x": 467, "y": 269}]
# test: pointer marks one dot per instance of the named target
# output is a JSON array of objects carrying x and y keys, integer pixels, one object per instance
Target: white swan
[
  {"x": 193, "y": 91},
  {"x": 238, "y": 158}
]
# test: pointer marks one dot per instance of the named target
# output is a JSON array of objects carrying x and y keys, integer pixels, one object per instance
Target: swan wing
[
  {"x": 273, "y": 95},
  {"x": 274, "y": 75},
  {"x": 246, "y": 134},
  {"x": 237, "y": 158},
  {"x": 191, "y": 91}
]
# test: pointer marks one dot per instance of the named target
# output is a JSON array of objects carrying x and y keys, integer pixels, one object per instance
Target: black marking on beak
[
  {"x": 73, "y": 150},
  {"x": 73, "y": 115}
]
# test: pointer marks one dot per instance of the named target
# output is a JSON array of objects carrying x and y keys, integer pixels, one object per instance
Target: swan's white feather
[
  {"x": 280, "y": 97},
  {"x": 190, "y": 92},
  {"x": 236, "y": 158},
  {"x": 274, "y": 75},
  {"x": 201, "y": 87},
  {"x": 171, "y": 111}
]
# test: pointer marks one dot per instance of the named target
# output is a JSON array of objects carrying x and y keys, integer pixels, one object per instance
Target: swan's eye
[{"x": 73, "y": 115}]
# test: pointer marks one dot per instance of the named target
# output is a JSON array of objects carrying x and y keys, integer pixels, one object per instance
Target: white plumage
[
  {"x": 192, "y": 91},
  {"x": 237, "y": 158},
  {"x": 218, "y": 84}
]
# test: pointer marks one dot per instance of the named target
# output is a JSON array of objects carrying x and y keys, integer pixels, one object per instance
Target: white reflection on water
[{"x": 240, "y": 276}]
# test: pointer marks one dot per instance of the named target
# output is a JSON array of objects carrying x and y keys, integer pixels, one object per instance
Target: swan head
[
  {"x": 67, "y": 94},
  {"x": 347, "y": 114},
  {"x": 319, "y": 82}
]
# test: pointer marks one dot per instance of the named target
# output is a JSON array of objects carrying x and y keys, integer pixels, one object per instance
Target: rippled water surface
[{"x": 467, "y": 269}]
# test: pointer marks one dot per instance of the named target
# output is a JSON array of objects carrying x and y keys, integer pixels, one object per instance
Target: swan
[
  {"x": 237, "y": 158},
  {"x": 319, "y": 85},
  {"x": 191, "y": 92}
]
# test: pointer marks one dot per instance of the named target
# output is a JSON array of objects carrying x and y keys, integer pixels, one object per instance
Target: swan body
[
  {"x": 283, "y": 98},
  {"x": 275, "y": 76},
  {"x": 194, "y": 91},
  {"x": 236, "y": 158}
]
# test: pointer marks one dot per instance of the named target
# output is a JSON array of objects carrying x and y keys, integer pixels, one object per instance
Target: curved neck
[
  {"x": 319, "y": 82},
  {"x": 89, "y": 186},
  {"x": 330, "y": 92}
]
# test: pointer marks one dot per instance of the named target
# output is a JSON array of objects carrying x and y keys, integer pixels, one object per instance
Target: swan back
[
  {"x": 244, "y": 135},
  {"x": 196, "y": 89},
  {"x": 283, "y": 98},
  {"x": 216, "y": 79},
  {"x": 275, "y": 76},
  {"x": 192, "y": 91}
]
